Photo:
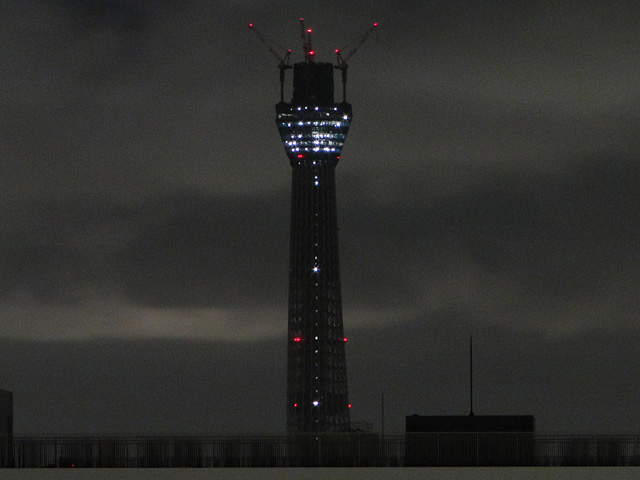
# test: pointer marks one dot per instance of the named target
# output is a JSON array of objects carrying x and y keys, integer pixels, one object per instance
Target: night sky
[{"x": 489, "y": 187}]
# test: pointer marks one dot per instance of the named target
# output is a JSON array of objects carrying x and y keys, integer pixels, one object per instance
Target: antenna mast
[
  {"x": 471, "y": 374},
  {"x": 305, "y": 35}
]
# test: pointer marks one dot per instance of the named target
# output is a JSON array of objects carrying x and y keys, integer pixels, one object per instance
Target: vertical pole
[
  {"x": 471, "y": 374},
  {"x": 382, "y": 414},
  {"x": 282, "y": 67},
  {"x": 344, "y": 82},
  {"x": 382, "y": 446}
]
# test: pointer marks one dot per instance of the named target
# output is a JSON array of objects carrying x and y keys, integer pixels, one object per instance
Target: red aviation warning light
[{"x": 297, "y": 339}]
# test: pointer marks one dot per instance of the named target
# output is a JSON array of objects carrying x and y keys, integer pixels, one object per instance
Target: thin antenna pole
[
  {"x": 382, "y": 414},
  {"x": 471, "y": 374},
  {"x": 382, "y": 445}
]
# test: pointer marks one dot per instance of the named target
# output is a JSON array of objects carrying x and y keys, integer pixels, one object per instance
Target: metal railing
[
  {"x": 320, "y": 450},
  {"x": 588, "y": 450}
]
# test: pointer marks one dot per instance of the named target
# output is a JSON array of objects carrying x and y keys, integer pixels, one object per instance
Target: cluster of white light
[
  {"x": 321, "y": 130},
  {"x": 321, "y": 141},
  {"x": 331, "y": 123},
  {"x": 317, "y": 134},
  {"x": 335, "y": 109},
  {"x": 325, "y": 146}
]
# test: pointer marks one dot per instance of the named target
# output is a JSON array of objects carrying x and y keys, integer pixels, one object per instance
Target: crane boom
[
  {"x": 309, "y": 54},
  {"x": 342, "y": 61},
  {"x": 355, "y": 45},
  {"x": 283, "y": 60}
]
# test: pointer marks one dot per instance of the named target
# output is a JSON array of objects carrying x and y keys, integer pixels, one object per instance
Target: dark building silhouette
[
  {"x": 478, "y": 440},
  {"x": 6, "y": 427},
  {"x": 313, "y": 129}
]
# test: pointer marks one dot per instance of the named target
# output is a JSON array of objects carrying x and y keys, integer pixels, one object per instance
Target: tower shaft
[
  {"x": 313, "y": 130},
  {"x": 316, "y": 376}
]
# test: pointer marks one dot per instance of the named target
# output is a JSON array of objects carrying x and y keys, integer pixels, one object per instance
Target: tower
[{"x": 313, "y": 128}]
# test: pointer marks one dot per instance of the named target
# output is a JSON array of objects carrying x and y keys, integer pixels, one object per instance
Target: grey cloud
[
  {"x": 177, "y": 251},
  {"x": 564, "y": 238},
  {"x": 210, "y": 252},
  {"x": 56, "y": 252}
]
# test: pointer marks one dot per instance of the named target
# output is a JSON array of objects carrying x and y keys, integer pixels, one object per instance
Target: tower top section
[{"x": 312, "y": 82}]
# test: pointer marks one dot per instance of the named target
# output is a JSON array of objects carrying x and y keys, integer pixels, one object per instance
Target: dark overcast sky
[{"x": 489, "y": 187}]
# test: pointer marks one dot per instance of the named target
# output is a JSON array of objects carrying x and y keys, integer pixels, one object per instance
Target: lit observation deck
[{"x": 317, "y": 132}]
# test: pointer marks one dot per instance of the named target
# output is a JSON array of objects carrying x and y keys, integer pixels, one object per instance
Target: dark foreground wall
[
  {"x": 566, "y": 473},
  {"x": 359, "y": 450}
]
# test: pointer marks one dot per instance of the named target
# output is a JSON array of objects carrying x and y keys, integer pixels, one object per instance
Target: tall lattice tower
[{"x": 313, "y": 129}]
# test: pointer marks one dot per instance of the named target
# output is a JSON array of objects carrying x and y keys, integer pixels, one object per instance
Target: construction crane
[
  {"x": 309, "y": 53},
  {"x": 283, "y": 60},
  {"x": 342, "y": 60}
]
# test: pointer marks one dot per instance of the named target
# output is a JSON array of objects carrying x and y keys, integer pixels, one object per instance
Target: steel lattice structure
[{"x": 313, "y": 129}]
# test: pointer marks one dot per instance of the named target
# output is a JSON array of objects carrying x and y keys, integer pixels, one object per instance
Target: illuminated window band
[{"x": 313, "y": 131}]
